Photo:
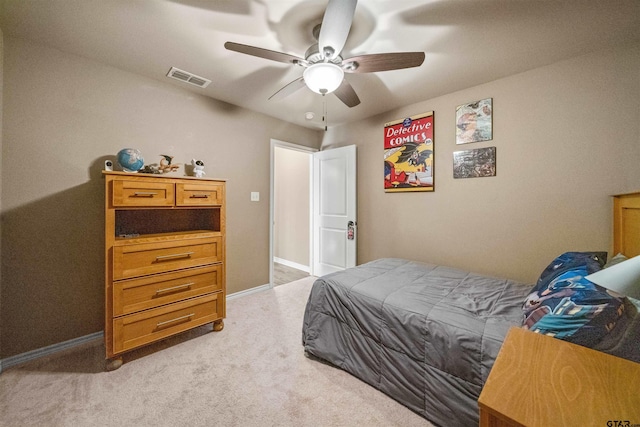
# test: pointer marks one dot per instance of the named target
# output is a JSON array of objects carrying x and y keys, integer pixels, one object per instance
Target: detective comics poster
[{"x": 408, "y": 154}]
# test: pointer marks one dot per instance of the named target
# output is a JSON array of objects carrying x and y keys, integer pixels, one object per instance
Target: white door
[{"x": 334, "y": 210}]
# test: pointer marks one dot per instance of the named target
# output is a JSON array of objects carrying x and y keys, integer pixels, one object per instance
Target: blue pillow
[{"x": 567, "y": 306}]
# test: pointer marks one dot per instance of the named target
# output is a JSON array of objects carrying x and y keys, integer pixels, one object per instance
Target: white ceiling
[{"x": 467, "y": 42}]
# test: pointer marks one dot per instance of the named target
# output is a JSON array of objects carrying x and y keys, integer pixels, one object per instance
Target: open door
[{"x": 334, "y": 210}]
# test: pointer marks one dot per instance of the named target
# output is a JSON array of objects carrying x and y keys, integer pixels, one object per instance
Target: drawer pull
[
  {"x": 199, "y": 196},
  {"x": 175, "y": 288},
  {"x": 174, "y": 256},
  {"x": 177, "y": 319},
  {"x": 144, "y": 194}
]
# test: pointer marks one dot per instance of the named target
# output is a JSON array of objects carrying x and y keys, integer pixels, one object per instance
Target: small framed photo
[
  {"x": 476, "y": 163},
  {"x": 474, "y": 121}
]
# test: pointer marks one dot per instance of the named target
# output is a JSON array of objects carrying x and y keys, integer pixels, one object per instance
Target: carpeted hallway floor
[{"x": 253, "y": 373}]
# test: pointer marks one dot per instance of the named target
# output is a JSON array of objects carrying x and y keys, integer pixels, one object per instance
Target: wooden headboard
[{"x": 626, "y": 224}]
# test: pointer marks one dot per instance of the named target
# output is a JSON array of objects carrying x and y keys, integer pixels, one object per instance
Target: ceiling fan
[{"x": 324, "y": 68}]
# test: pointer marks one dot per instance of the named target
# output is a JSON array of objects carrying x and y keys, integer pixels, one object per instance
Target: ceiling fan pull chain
[{"x": 324, "y": 112}]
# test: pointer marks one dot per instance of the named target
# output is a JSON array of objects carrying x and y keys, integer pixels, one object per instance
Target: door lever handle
[{"x": 351, "y": 230}]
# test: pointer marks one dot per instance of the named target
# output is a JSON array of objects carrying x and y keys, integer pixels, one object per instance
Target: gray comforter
[{"x": 426, "y": 335}]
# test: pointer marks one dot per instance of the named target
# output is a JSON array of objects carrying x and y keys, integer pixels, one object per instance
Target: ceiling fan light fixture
[{"x": 323, "y": 77}]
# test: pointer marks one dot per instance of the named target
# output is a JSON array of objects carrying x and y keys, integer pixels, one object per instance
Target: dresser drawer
[
  {"x": 142, "y": 193},
  {"x": 199, "y": 194},
  {"x": 143, "y": 293},
  {"x": 139, "y": 259},
  {"x": 148, "y": 326}
]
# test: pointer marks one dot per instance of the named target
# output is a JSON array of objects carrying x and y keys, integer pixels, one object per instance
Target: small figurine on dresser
[
  {"x": 198, "y": 168},
  {"x": 165, "y": 164}
]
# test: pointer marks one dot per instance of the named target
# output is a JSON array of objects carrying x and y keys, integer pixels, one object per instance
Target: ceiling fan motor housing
[{"x": 313, "y": 56}]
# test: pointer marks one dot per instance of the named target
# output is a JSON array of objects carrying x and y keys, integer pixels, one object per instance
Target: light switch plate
[{"x": 255, "y": 196}]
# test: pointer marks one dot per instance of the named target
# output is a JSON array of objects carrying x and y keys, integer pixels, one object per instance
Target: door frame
[{"x": 289, "y": 146}]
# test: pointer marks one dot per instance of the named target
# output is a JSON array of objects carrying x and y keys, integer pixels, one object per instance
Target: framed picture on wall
[
  {"x": 476, "y": 163},
  {"x": 408, "y": 154},
  {"x": 474, "y": 121}
]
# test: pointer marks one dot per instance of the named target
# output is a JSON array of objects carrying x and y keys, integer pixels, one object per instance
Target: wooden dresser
[
  {"x": 542, "y": 381},
  {"x": 164, "y": 258}
]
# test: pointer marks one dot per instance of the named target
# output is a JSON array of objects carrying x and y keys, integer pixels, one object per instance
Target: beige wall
[
  {"x": 63, "y": 116},
  {"x": 567, "y": 137},
  {"x": 291, "y": 210}
]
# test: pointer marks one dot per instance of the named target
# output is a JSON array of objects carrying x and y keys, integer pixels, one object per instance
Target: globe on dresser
[{"x": 130, "y": 160}]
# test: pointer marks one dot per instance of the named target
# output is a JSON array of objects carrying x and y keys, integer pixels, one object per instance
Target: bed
[{"x": 427, "y": 335}]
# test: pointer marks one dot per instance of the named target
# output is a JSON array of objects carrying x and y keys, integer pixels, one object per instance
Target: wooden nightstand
[{"x": 542, "y": 381}]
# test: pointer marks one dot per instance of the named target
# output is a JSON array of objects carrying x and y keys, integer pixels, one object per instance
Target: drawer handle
[
  {"x": 199, "y": 196},
  {"x": 174, "y": 256},
  {"x": 144, "y": 194},
  {"x": 175, "y": 288},
  {"x": 177, "y": 319}
]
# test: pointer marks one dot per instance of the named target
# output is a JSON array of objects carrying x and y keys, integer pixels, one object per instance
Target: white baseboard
[
  {"x": 248, "y": 292},
  {"x": 55, "y": 348},
  {"x": 292, "y": 264},
  {"x": 45, "y": 351}
]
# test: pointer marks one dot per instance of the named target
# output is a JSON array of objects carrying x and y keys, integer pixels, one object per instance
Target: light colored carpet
[{"x": 253, "y": 373}]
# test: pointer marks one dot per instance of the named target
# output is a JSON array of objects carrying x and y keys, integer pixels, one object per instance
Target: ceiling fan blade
[
  {"x": 288, "y": 89},
  {"x": 335, "y": 27},
  {"x": 382, "y": 62},
  {"x": 346, "y": 94},
  {"x": 264, "y": 53}
]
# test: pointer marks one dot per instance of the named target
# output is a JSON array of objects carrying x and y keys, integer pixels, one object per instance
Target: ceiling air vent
[{"x": 187, "y": 77}]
